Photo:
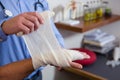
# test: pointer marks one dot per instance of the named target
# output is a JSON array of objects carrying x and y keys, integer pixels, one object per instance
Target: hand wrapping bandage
[{"x": 45, "y": 49}]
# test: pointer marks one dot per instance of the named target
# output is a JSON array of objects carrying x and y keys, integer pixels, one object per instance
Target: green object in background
[
  {"x": 87, "y": 13},
  {"x": 108, "y": 12},
  {"x": 87, "y": 17},
  {"x": 94, "y": 16},
  {"x": 99, "y": 12}
]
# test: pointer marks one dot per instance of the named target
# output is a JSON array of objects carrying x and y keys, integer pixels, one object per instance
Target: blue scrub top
[{"x": 12, "y": 47}]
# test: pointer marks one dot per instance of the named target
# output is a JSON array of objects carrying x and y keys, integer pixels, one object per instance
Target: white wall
[
  {"x": 115, "y": 4},
  {"x": 73, "y": 39}
]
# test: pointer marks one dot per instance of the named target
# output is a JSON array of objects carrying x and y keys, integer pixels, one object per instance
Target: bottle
[
  {"x": 107, "y": 10},
  {"x": 93, "y": 11},
  {"x": 87, "y": 15},
  {"x": 99, "y": 10},
  {"x": 73, "y": 9}
]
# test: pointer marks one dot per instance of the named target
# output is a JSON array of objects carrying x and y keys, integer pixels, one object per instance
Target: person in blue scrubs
[{"x": 15, "y": 61}]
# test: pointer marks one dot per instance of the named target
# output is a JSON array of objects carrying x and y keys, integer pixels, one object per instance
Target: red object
[{"x": 86, "y": 61}]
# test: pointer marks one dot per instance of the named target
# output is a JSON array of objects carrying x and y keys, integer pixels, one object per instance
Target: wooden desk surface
[
  {"x": 85, "y": 26},
  {"x": 86, "y": 74}
]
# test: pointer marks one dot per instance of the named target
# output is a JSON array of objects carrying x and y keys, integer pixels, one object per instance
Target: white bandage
[{"x": 45, "y": 49}]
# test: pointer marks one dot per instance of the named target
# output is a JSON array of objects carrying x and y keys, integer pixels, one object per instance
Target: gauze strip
[{"x": 44, "y": 47}]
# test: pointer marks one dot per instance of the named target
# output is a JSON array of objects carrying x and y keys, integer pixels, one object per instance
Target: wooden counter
[
  {"x": 83, "y": 73},
  {"x": 85, "y": 26}
]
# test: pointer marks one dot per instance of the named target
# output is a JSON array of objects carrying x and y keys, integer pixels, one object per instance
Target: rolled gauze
[{"x": 44, "y": 47}]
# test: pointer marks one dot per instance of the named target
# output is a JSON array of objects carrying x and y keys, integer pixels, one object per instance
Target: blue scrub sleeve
[{"x": 3, "y": 36}]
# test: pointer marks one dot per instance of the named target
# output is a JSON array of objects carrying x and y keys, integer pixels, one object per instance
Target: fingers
[
  {"x": 86, "y": 56},
  {"x": 37, "y": 15},
  {"x": 76, "y": 65},
  {"x": 28, "y": 24},
  {"x": 25, "y": 29},
  {"x": 41, "y": 20},
  {"x": 30, "y": 20},
  {"x": 35, "y": 18}
]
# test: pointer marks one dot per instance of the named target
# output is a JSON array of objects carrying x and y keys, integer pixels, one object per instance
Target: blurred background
[{"x": 73, "y": 39}]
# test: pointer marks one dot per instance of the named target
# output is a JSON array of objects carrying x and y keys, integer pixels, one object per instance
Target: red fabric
[{"x": 86, "y": 61}]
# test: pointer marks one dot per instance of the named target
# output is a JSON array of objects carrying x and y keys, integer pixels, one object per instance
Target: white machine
[{"x": 116, "y": 56}]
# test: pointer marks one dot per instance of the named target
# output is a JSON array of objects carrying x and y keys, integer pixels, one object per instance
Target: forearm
[{"x": 17, "y": 70}]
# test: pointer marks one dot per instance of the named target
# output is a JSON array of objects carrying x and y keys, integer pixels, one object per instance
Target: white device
[{"x": 116, "y": 56}]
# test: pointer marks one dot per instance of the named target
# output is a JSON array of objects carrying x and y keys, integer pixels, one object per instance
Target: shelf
[{"x": 85, "y": 26}]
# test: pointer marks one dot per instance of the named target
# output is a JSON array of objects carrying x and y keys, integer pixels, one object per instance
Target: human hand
[
  {"x": 76, "y": 65},
  {"x": 26, "y": 22},
  {"x": 50, "y": 52},
  {"x": 73, "y": 65},
  {"x": 67, "y": 58}
]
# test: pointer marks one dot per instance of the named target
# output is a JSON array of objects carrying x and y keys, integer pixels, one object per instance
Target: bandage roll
[
  {"x": 44, "y": 47},
  {"x": 89, "y": 61}
]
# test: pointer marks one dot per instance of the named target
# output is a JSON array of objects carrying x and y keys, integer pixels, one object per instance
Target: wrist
[
  {"x": 3, "y": 26},
  {"x": 3, "y": 35}
]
